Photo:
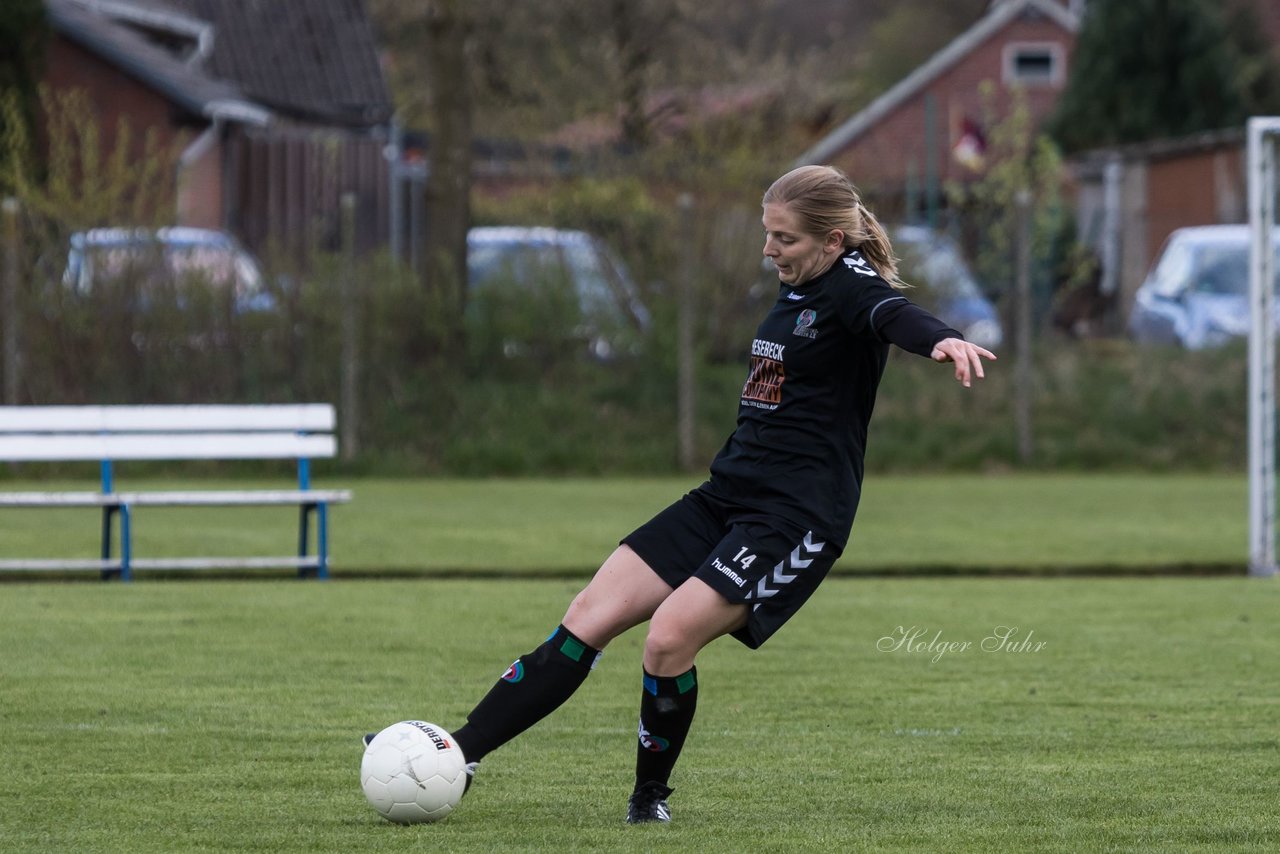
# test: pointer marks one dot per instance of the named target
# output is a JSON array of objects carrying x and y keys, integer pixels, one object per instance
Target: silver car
[
  {"x": 526, "y": 270},
  {"x": 1197, "y": 293},
  {"x": 164, "y": 259}
]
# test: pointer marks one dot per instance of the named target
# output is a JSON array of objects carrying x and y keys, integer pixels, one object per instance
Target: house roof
[
  {"x": 186, "y": 86},
  {"x": 998, "y": 16},
  {"x": 158, "y": 16},
  {"x": 314, "y": 60}
]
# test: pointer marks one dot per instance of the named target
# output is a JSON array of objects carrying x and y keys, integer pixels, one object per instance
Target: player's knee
[
  {"x": 589, "y": 619},
  {"x": 668, "y": 650},
  {"x": 580, "y": 607}
]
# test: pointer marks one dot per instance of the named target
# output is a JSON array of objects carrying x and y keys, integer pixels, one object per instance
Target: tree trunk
[
  {"x": 634, "y": 57},
  {"x": 448, "y": 186}
]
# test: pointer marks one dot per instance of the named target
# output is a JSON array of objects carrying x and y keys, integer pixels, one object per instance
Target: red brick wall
[
  {"x": 881, "y": 158},
  {"x": 199, "y": 200},
  {"x": 115, "y": 100}
]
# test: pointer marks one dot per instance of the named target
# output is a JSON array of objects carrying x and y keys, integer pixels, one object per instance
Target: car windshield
[
  {"x": 211, "y": 262},
  {"x": 510, "y": 260},
  {"x": 597, "y": 283},
  {"x": 1220, "y": 268}
]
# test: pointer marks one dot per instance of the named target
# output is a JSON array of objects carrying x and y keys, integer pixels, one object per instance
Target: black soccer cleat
[{"x": 649, "y": 803}]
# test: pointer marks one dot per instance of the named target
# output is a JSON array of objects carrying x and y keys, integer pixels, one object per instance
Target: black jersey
[{"x": 816, "y": 361}]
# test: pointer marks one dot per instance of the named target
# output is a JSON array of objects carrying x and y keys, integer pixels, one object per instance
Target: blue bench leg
[
  {"x": 322, "y": 541},
  {"x": 321, "y": 509},
  {"x": 107, "y": 513},
  {"x": 304, "y": 534},
  {"x": 126, "y": 544}
]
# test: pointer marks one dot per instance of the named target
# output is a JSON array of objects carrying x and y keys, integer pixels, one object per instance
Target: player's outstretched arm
[{"x": 966, "y": 355}]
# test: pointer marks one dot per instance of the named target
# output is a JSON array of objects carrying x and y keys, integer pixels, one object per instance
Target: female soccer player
[{"x": 742, "y": 552}]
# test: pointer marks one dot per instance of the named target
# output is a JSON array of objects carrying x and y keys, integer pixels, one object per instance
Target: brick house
[
  {"x": 928, "y": 127},
  {"x": 224, "y": 80}
]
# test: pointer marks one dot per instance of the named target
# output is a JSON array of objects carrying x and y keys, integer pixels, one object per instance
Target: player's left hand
[{"x": 966, "y": 355}]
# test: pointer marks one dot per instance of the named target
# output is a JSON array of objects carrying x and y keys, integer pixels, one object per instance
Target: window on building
[{"x": 1036, "y": 64}]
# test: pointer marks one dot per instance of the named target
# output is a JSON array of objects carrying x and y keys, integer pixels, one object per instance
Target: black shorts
[{"x": 774, "y": 566}]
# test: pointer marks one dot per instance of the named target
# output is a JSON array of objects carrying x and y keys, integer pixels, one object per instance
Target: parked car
[
  {"x": 148, "y": 262},
  {"x": 1197, "y": 293},
  {"x": 948, "y": 288},
  {"x": 529, "y": 285}
]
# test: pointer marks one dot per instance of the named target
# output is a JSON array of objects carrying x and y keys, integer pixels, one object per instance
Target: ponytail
[{"x": 875, "y": 246}]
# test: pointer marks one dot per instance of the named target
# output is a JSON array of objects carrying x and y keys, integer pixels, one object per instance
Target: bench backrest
[{"x": 229, "y": 432}]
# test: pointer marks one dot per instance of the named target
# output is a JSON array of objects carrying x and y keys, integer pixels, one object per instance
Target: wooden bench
[{"x": 111, "y": 434}]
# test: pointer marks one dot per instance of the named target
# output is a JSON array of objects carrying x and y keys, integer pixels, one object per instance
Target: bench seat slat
[
  {"x": 227, "y": 498},
  {"x": 42, "y": 564},
  {"x": 192, "y": 446},
  {"x": 215, "y": 498},
  {"x": 308, "y": 562},
  {"x": 57, "y": 499},
  {"x": 316, "y": 417},
  {"x": 193, "y": 563}
]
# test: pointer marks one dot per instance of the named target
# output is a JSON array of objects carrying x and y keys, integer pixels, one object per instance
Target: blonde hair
[{"x": 825, "y": 200}]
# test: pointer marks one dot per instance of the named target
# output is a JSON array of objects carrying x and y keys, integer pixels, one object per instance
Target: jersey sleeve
[
  {"x": 871, "y": 308},
  {"x": 864, "y": 298},
  {"x": 911, "y": 327}
]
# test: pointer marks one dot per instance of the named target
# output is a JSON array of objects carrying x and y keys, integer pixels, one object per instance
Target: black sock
[
  {"x": 667, "y": 704},
  {"x": 534, "y": 686}
]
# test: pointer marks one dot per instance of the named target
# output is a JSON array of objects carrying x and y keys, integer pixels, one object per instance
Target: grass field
[
  {"x": 1010, "y": 523},
  {"x": 225, "y": 715}
]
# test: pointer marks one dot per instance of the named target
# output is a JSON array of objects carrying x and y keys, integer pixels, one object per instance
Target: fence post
[
  {"x": 685, "y": 379},
  {"x": 1024, "y": 382},
  {"x": 349, "y": 391},
  {"x": 9, "y": 301}
]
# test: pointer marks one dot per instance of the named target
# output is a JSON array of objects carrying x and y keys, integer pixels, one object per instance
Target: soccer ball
[{"x": 413, "y": 772}]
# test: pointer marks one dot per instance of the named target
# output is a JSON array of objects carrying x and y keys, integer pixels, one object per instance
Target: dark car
[{"x": 1197, "y": 293}]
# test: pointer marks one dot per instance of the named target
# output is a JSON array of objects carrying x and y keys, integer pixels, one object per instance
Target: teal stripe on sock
[
  {"x": 685, "y": 682},
  {"x": 573, "y": 649}
]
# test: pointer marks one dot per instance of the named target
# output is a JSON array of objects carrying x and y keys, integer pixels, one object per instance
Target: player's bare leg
[
  {"x": 690, "y": 618},
  {"x": 623, "y": 593}
]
